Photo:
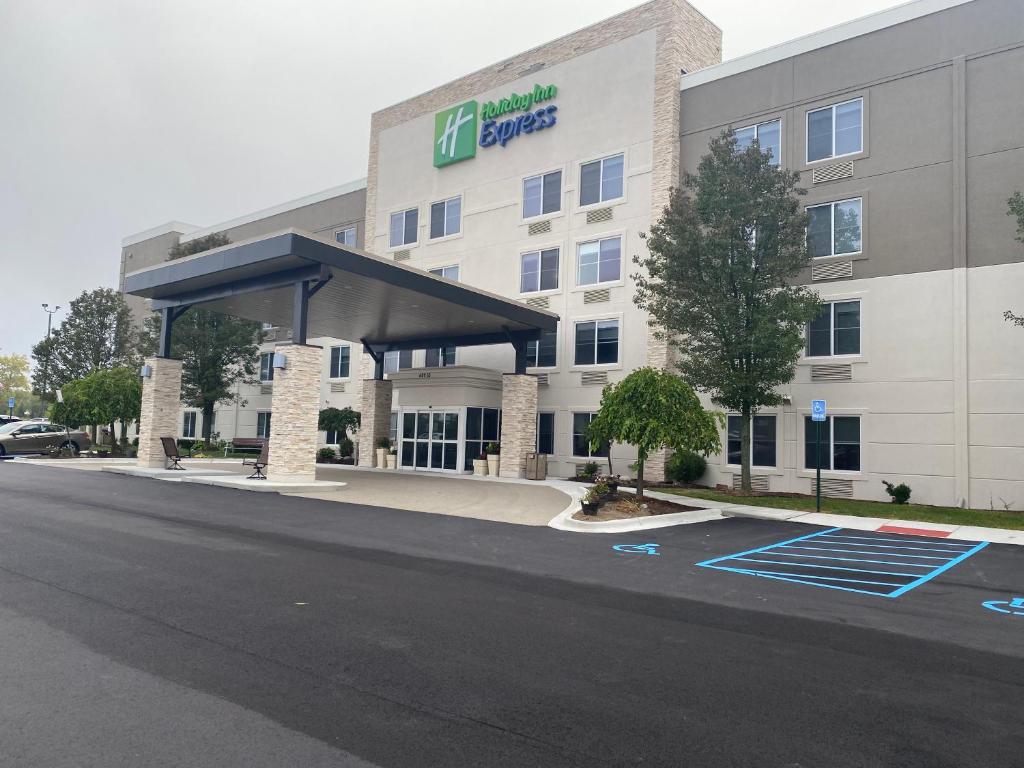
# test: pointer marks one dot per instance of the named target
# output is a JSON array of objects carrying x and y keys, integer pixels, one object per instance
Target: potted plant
[
  {"x": 382, "y": 451},
  {"x": 612, "y": 481},
  {"x": 493, "y": 458},
  {"x": 392, "y": 458},
  {"x": 480, "y": 465},
  {"x": 592, "y": 498}
]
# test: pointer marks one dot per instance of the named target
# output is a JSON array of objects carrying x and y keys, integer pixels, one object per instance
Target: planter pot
[
  {"x": 613, "y": 487},
  {"x": 493, "y": 464},
  {"x": 392, "y": 459},
  {"x": 480, "y": 467},
  {"x": 381, "y": 461},
  {"x": 589, "y": 507}
]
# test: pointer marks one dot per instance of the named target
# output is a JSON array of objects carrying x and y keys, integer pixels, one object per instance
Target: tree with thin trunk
[
  {"x": 652, "y": 409},
  {"x": 718, "y": 280},
  {"x": 1016, "y": 208}
]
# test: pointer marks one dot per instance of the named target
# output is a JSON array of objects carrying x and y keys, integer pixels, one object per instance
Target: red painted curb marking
[{"x": 914, "y": 531}]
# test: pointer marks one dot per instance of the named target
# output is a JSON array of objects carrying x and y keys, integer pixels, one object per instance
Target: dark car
[{"x": 21, "y": 437}]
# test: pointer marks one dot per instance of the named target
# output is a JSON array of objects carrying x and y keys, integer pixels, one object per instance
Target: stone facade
[
  {"x": 518, "y": 422},
  {"x": 296, "y": 408},
  {"x": 376, "y": 418},
  {"x": 161, "y": 405}
]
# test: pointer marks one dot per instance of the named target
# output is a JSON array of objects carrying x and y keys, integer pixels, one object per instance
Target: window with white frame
[
  {"x": 769, "y": 138},
  {"x": 266, "y": 367},
  {"x": 835, "y": 130},
  {"x": 597, "y": 342},
  {"x": 542, "y": 194},
  {"x": 346, "y": 236},
  {"x": 580, "y": 439},
  {"x": 599, "y": 261},
  {"x": 840, "y": 443},
  {"x": 546, "y": 432},
  {"x": 263, "y": 424},
  {"x": 601, "y": 180},
  {"x": 451, "y": 272},
  {"x": 439, "y": 357},
  {"x": 397, "y": 360},
  {"x": 834, "y": 229},
  {"x": 762, "y": 440},
  {"x": 403, "y": 228},
  {"x": 445, "y": 217},
  {"x": 188, "y": 424},
  {"x": 340, "y": 361},
  {"x": 543, "y": 353},
  {"x": 835, "y": 331},
  {"x": 538, "y": 270}
]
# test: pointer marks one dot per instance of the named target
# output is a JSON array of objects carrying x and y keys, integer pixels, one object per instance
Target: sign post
[
  {"x": 10, "y": 407},
  {"x": 819, "y": 412}
]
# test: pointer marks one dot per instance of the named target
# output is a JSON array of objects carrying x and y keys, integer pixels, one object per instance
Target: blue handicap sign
[
  {"x": 818, "y": 410},
  {"x": 10, "y": 402},
  {"x": 1013, "y": 607},
  {"x": 637, "y": 549}
]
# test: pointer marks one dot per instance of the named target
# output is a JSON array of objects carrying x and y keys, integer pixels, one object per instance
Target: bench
[
  {"x": 245, "y": 444},
  {"x": 260, "y": 462},
  {"x": 172, "y": 455}
]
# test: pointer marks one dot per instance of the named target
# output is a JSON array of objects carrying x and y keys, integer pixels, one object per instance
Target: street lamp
[{"x": 49, "y": 322}]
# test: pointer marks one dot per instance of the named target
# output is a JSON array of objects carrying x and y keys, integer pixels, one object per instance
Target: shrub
[
  {"x": 494, "y": 449},
  {"x": 325, "y": 455},
  {"x": 685, "y": 467},
  {"x": 900, "y": 494},
  {"x": 596, "y": 493},
  {"x": 345, "y": 448},
  {"x": 589, "y": 470},
  {"x": 384, "y": 442}
]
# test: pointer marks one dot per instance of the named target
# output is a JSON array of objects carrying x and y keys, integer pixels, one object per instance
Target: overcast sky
[{"x": 120, "y": 115}]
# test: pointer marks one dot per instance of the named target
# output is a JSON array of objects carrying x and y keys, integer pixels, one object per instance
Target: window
[
  {"x": 263, "y": 424},
  {"x": 834, "y": 228},
  {"x": 546, "y": 433},
  {"x": 483, "y": 426},
  {"x": 599, "y": 261},
  {"x": 440, "y": 357},
  {"x": 835, "y": 131},
  {"x": 333, "y": 437},
  {"x": 539, "y": 271},
  {"x": 403, "y": 228},
  {"x": 580, "y": 442},
  {"x": 544, "y": 352},
  {"x": 840, "y": 443},
  {"x": 597, "y": 342},
  {"x": 397, "y": 361},
  {"x": 601, "y": 180},
  {"x": 266, "y": 367},
  {"x": 445, "y": 217},
  {"x": 451, "y": 272},
  {"x": 393, "y": 428},
  {"x": 768, "y": 135},
  {"x": 762, "y": 440},
  {"x": 340, "y": 362},
  {"x": 835, "y": 331},
  {"x": 346, "y": 236},
  {"x": 188, "y": 424},
  {"x": 542, "y": 194}
]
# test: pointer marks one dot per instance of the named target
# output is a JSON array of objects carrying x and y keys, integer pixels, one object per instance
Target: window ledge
[{"x": 620, "y": 283}]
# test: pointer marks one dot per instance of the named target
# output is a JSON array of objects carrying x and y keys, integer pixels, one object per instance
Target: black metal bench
[
  {"x": 259, "y": 463},
  {"x": 245, "y": 444},
  {"x": 172, "y": 456}
]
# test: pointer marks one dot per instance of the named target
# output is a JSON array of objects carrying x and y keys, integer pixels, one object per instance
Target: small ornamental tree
[
  {"x": 1016, "y": 209},
  {"x": 339, "y": 420},
  {"x": 652, "y": 409},
  {"x": 103, "y": 397}
]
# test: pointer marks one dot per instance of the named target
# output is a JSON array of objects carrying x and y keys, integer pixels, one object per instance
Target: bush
[
  {"x": 345, "y": 448},
  {"x": 900, "y": 494},
  {"x": 685, "y": 467},
  {"x": 325, "y": 455},
  {"x": 494, "y": 449},
  {"x": 589, "y": 470},
  {"x": 384, "y": 442}
]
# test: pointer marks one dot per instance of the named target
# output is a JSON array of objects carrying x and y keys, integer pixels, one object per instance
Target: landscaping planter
[
  {"x": 480, "y": 467},
  {"x": 493, "y": 463},
  {"x": 589, "y": 508},
  {"x": 392, "y": 461},
  {"x": 381, "y": 458}
]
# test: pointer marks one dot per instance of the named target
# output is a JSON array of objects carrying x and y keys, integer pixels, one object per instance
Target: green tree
[
  {"x": 103, "y": 397},
  {"x": 718, "y": 279},
  {"x": 96, "y": 334},
  {"x": 1016, "y": 208},
  {"x": 652, "y": 409},
  {"x": 217, "y": 351},
  {"x": 339, "y": 420},
  {"x": 13, "y": 373}
]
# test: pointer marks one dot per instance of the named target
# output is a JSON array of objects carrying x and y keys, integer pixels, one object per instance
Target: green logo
[{"x": 455, "y": 134}]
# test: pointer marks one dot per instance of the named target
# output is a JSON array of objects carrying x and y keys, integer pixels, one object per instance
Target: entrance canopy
[{"x": 291, "y": 278}]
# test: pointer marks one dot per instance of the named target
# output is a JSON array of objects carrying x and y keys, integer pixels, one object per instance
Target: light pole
[{"x": 46, "y": 363}]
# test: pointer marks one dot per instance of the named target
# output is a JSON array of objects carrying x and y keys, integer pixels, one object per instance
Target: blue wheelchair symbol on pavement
[
  {"x": 637, "y": 549},
  {"x": 1013, "y": 607}
]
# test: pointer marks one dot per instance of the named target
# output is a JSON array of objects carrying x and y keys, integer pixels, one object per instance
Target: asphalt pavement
[{"x": 146, "y": 623}]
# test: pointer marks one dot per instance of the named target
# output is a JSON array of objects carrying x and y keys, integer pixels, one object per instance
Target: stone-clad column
[
  {"x": 161, "y": 406},
  {"x": 375, "y": 418},
  {"x": 295, "y": 411},
  {"x": 518, "y": 422}
]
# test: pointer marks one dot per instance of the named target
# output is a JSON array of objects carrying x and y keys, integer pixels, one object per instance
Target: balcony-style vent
[
  {"x": 402, "y": 255},
  {"x": 835, "y": 270},
  {"x": 594, "y": 378},
  {"x": 337, "y": 386},
  {"x": 832, "y": 372},
  {"x": 542, "y": 379},
  {"x": 599, "y": 215},
  {"x": 835, "y": 487},
  {"x": 539, "y": 227},
  {"x": 832, "y": 172},
  {"x": 758, "y": 483},
  {"x": 540, "y": 302},
  {"x": 597, "y": 296},
  {"x": 266, "y": 389}
]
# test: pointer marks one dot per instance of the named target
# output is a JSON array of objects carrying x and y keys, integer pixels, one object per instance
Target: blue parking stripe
[
  {"x": 855, "y": 552},
  {"x": 829, "y": 567},
  {"x": 826, "y": 578},
  {"x": 902, "y": 541},
  {"x": 851, "y": 560},
  {"x": 888, "y": 546},
  {"x": 707, "y": 563},
  {"x": 936, "y": 572}
]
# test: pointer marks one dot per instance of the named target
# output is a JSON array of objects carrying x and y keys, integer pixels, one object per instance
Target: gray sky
[{"x": 120, "y": 115}]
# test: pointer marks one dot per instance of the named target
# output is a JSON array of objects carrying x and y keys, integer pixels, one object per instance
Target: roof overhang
[{"x": 356, "y": 295}]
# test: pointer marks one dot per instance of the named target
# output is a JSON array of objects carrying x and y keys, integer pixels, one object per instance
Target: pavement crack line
[{"x": 411, "y": 704}]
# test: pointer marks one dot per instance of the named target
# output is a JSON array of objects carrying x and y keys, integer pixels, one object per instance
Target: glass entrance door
[{"x": 430, "y": 440}]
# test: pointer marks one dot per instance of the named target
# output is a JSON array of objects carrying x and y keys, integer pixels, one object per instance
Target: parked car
[
  {"x": 5, "y": 419},
  {"x": 21, "y": 437}
]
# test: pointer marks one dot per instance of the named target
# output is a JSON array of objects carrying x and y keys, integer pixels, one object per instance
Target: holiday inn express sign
[{"x": 455, "y": 129}]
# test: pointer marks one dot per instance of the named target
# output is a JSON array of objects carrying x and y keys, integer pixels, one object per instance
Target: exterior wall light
[
  {"x": 280, "y": 360},
  {"x": 146, "y": 371}
]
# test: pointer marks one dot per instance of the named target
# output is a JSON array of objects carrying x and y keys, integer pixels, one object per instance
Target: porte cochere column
[
  {"x": 375, "y": 418},
  {"x": 295, "y": 408},
  {"x": 518, "y": 422},
  {"x": 161, "y": 404}
]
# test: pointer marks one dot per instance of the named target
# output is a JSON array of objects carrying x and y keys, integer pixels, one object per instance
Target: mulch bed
[{"x": 622, "y": 506}]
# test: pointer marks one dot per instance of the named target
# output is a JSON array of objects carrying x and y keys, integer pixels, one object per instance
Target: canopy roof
[{"x": 354, "y": 295}]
